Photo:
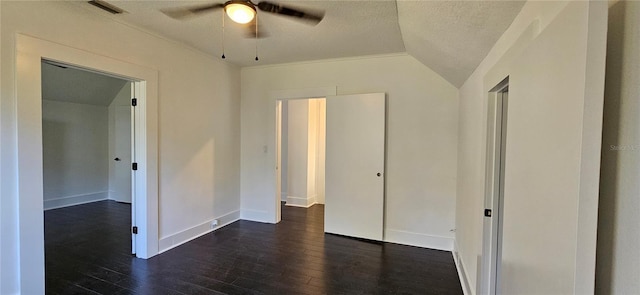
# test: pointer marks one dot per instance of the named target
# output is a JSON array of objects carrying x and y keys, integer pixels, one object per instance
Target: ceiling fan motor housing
[{"x": 240, "y": 11}]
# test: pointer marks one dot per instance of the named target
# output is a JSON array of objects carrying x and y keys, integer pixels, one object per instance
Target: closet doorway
[
  {"x": 352, "y": 149},
  {"x": 300, "y": 151},
  {"x": 88, "y": 141}
]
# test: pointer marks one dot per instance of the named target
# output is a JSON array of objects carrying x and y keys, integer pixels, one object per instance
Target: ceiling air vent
[{"x": 106, "y": 7}]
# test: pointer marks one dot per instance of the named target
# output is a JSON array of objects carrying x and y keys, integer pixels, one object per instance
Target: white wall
[
  {"x": 302, "y": 153},
  {"x": 422, "y": 140},
  {"x": 618, "y": 260},
  {"x": 297, "y": 152},
  {"x": 321, "y": 150},
  {"x": 312, "y": 152},
  {"x": 552, "y": 150},
  {"x": 472, "y": 140},
  {"x": 75, "y": 153},
  {"x": 199, "y": 125}
]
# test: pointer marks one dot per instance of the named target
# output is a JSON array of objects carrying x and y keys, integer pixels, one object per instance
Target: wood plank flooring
[{"x": 87, "y": 252}]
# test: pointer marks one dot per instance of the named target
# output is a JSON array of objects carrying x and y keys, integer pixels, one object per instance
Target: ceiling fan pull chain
[
  {"x": 256, "y": 37},
  {"x": 223, "y": 57}
]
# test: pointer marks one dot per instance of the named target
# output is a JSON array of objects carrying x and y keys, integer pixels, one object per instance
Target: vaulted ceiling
[
  {"x": 66, "y": 84},
  {"x": 450, "y": 37}
]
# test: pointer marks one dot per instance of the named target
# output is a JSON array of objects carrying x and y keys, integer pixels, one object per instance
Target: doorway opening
[
  {"x": 300, "y": 152},
  {"x": 88, "y": 147},
  {"x": 354, "y": 160},
  {"x": 494, "y": 188},
  {"x": 30, "y": 52}
]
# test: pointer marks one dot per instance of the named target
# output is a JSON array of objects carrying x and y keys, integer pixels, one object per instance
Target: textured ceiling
[
  {"x": 350, "y": 28},
  {"x": 450, "y": 37},
  {"x": 78, "y": 86},
  {"x": 453, "y": 37}
]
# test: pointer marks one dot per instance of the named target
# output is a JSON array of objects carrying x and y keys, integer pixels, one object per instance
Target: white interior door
[
  {"x": 494, "y": 194},
  {"x": 354, "y": 181},
  {"x": 122, "y": 148}
]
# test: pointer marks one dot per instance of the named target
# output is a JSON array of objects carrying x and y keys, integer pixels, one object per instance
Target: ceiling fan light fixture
[{"x": 240, "y": 12}]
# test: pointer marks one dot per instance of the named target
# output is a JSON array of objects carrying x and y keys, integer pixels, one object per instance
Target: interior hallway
[{"x": 87, "y": 252}]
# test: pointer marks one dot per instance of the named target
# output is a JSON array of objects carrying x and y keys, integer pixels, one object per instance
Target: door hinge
[
  {"x": 487, "y": 212},
  {"x": 134, "y": 230},
  {"x": 134, "y": 166},
  {"x": 134, "y": 101}
]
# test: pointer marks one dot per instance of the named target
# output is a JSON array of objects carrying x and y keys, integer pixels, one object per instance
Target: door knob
[
  {"x": 116, "y": 159},
  {"x": 379, "y": 174}
]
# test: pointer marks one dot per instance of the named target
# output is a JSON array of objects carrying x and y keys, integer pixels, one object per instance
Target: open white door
[
  {"x": 355, "y": 138},
  {"x": 122, "y": 148}
]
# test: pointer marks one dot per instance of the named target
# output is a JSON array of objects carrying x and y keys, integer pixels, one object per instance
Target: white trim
[
  {"x": 462, "y": 274},
  {"x": 300, "y": 206},
  {"x": 29, "y": 165},
  {"x": 274, "y": 215},
  {"x": 591, "y": 145},
  {"x": 30, "y": 52},
  {"x": 301, "y": 201},
  {"x": 67, "y": 201},
  {"x": 303, "y": 93},
  {"x": 256, "y": 215},
  {"x": 182, "y": 237},
  {"x": 418, "y": 239},
  {"x": 328, "y": 60}
]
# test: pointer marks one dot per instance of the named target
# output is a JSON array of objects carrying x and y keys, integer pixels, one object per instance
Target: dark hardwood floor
[{"x": 87, "y": 252}]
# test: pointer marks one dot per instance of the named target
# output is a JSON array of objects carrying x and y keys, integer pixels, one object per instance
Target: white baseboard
[
  {"x": 462, "y": 274},
  {"x": 320, "y": 200},
  {"x": 418, "y": 239},
  {"x": 177, "y": 239},
  {"x": 115, "y": 197},
  {"x": 301, "y": 202},
  {"x": 257, "y": 215},
  {"x": 75, "y": 200}
]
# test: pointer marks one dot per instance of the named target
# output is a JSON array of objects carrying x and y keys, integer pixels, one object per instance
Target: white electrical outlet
[{"x": 214, "y": 223}]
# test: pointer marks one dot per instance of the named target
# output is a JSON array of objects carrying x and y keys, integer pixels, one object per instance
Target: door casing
[
  {"x": 30, "y": 53},
  {"x": 494, "y": 187}
]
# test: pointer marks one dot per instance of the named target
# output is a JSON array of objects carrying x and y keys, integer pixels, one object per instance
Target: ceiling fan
[{"x": 244, "y": 11}]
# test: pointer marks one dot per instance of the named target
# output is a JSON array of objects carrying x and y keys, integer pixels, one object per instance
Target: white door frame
[
  {"x": 279, "y": 126},
  {"x": 136, "y": 92},
  {"x": 30, "y": 52},
  {"x": 494, "y": 188},
  {"x": 276, "y": 96}
]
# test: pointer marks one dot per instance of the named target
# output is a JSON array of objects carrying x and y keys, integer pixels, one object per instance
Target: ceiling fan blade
[
  {"x": 312, "y": 16},
  {"x": 181, "y": 13}
]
